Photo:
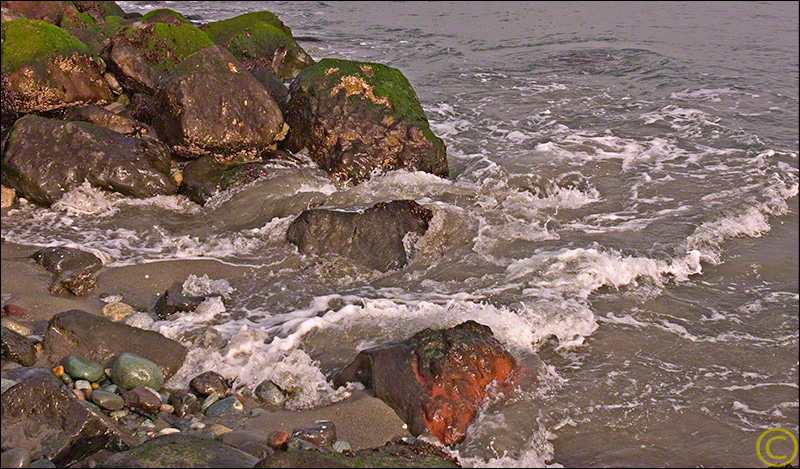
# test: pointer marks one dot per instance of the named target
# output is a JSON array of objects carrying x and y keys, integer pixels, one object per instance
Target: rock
[
  {"x": 209, "y": 382},
  {"x": 45, "y": 68},
  {"x": 143, "y": 54},
  {"x": 166, "y": 408},
  {"x": 82, "y": 385},
  {"x": 341, "y": 447},
  {"x": 113, "y": 83},
  {"x": 131, "y": 370},
  {"x": 46, "y": 158},
  {"x": 163, "y": 15},
  {"x": 174, "y": 301},
  {"x": 77, "y": 283},
  {"x": 9, "y": 196},
  {"x": 261, "y": 41},
  {"x": 206, "y": 176},
  {"x": 142, "y": 398},
  {"x": 208, "y": 401},
  {"x": 373, "y": 238},
  {"x": 218, "y": 430},
  {"x": 198, "y": 112},
  {"x": 437, "y": 379},
  {"x": 357, "y": 119},
  {"x": 77, "y": 332},
  {"x": 58, "y": 260},
  {"x": 277, "y": 440},
  {"x": 10, "y": 15},
  {"x": 51, "y": 12},
  {"x": 227, "y": 406},
  {"x": 322, "y": 433},
  {"x": 50, "y": 423},
  {"x": 117, "y": 311},
  {"x": 185, "y": 403},
  {"x": 15, "y": 326},
  {"x": 6, "y": 383},
  {"x": 257, "y": 450},
  {"x": 139, "y": 320},
  {"x": 298, "y": 444},
  {"x": 42, "y": 464},
  {"x": 15, "y": 311},
  {"x": 107, "y": 400},
  {"x": 15, "y": 457},
  {"x": 17, "y": 348},
  {"x": 274, "y": 85},
  {"x": 101, "y": 117},
  {"x": 82, "y": 368},
  {"x": 97, "y": 38},
  {"x": 105, "y": 9},
  {"x": 270, "y": 393},
  {"x": 180, "y": 450},
  {"x": 239, "y": 438}
]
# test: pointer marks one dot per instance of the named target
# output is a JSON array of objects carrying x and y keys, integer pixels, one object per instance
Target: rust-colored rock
[
  {"x": 277, "y": 440},
  {"x": 437, "y": 379}
]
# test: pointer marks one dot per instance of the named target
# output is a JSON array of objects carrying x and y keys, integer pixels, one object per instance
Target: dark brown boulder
[
  {"x": 51, "y": 423},
  {"x": 51, "y": 12},
  {"x": 102, "y": 117},
  {"x": 210, "y": 104},
  {"x": 77, "y": 332},
  {"x": 358, "y": 119},
  {"x": 437, "y": 379},
  {"x": 373, "y": 238},
  {"x": 61, "y": 259},
  {"x": 17, "y": 348},
  {"x": 141, "y": 398},
  {"x": 47, "y": 157},
  {"x": 209, "y": 382}
]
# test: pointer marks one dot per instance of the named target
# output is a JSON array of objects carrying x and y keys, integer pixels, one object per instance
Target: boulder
[
  {"x": 45, "y": 68},
  {"x": 50, "y": 12},
  {"x": 46, "y": 158},
  {"x": 373, "y": 238},
  {"x": 7, "y": 14},
  {"x": 40, "y": 416},
  {"x": 144, "y": 53},
  {"x": 179, "y": 450},
  {"x": 357, "y": 119},
  {"x": 207, "y": 176},
  {"x": 102, "y": 117},
  {"x": 97, "y": 36},
  {"x": 208, "y": 382},
  {"x": 163, "y": 15},
  {"x": 58, "y": 260},
  {"x": 17, "y": 348},
  {"x": 77, "y": 332},
  {"x": 104, "y": 9},
  {"x": 260, "y": 40},
  {"x": 277, "y": 89},
  {"x": 198, "y": 111},
  {"x": 437, "y": 379}
]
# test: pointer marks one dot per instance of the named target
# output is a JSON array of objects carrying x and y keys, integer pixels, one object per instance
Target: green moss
[
  {"x": 168, "y": 44},
  {"x": 34, "y": 41},
  {"x": 262, "y": 37},
  {"x": 163, "y": 15},
  {"x": 78, "y": 20},
  {"x": 221, "y": 32},
  {"x": 386, "y": 82}
]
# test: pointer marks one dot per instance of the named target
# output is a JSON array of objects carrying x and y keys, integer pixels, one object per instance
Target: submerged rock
[
  {"x": 45, "y": 158},
  {"x": 373, "y": 238},
  {"x": 357, "y": 119},
  {"x": 77, "y": 332},
  {"x": 45, "y": 68},
  {"x": 260, "y": 40},
  {"x": 174, "y": 301},
  {"x": 437, "y": 379},
  {"x": 178, "y": 450},
  {"x": 211, "y": 105},
  {"x": 206, "y": 176}
]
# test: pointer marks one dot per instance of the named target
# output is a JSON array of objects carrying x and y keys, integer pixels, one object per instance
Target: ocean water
[{"x": 622, "y": 211}]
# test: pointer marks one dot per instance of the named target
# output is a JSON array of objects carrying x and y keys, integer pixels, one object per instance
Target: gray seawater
[{"x": 622, "y": 211}]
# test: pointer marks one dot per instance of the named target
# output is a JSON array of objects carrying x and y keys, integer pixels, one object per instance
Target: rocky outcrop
[
  {"x": 261, "y": 41},
  {"x": 180, "y": 450},
  {"x": 46, "y": 158},
  {"x": 45, "y": 68},
  {"x": 437, "y": 379},
  {"x": 198, "y": 112},
  {"x": 51, "y": 423},
  {"x": 357, "y": 119},
  {"x": 373, "y": 238},
  {"x": 77, "y": 332}
]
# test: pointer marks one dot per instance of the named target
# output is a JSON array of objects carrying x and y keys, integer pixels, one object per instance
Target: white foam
[{"x": 202, "y": 286}]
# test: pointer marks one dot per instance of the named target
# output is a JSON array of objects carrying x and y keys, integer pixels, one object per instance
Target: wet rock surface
[
  {"x": 373, "y": 238},
  {"x": 102, "y": 117},
  {"x": 208, "y": 382},
  {"x": 17, "y": 348},
  {"x": 60, "y": 259},
  {"x": 179, "y": 450},
  {"x": 437, "y": 379}
]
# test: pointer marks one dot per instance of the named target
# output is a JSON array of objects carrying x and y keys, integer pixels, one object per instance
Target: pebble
[
  {"x": 6, "y": 383},
  {"x": 167, "y": 431},
  {"x": 322, "y": 433},
  {"x": 142, "y": 398},
  {"x": 197, "y": 426},
  {"x": 65, "y": 378},
  {"x": 297, "y": 444},
  {"x": 107, "y": 400},
  {"x": 227, "y": 406},
  {"x": 277, "y": 439},
  {"x": 270, "y": 393},
  {"x": 218, "y": 430},
  {"x": 342, "y": 446},
  {"x": 58, "y": 371},
  {"x": 9, "y": 323},
  {"x": 79, "y": 394},
  {"x": 185, "y": 403},
  {"x": 130, "y": 370},
  {"x": 117, "y": 311},
  {"x": 15, "y": 311},
  {"x": 42, "y": 464},
  {"x": 167, "y": 408},
  {"x": 82, "y": 368},
  {"x": 211, "y": 399},
  {"x": 15, "y": 457},
  {"x": 7, "y": 197},
  {"x": 140, "y": 320},
  {"x": 118, "y": 414},
  {"x": 83, "y": 384},
  {"x": 113, "y": 83},
  {"x": 112, "y": 388},
  {"x": 209, "y": 382}
]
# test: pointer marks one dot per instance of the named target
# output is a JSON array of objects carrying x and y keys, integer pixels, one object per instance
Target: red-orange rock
[{"x": 437, "y": 379}]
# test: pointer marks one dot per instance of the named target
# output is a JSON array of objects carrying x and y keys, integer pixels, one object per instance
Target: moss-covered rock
[
  {"x": 359, "y": 118},
  {"x": 163, "y": 15},
  {"x": 104, "y": 9},
  {"x": 143, "y": 54},
  {"x": 393, "y": 454},
  {"x": 76, "y": 19},
  {"x": 179, "y": 450},
  {"x": 260, "y": 40},
  {"x": 97, "y": 36},
  {"x": 46, "y": 68}
]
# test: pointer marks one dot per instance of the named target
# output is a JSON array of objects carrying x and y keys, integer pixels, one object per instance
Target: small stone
[
  {"x": 148, "y": 424},
  {"x": 277, "y": 440},
  {"x": 341, "y": 446},
  {"x": 42, "y": 464},
  {"x": 227, "y": 406},
  {"x": 79, "y": 394},
  {"x": 322, "y": 433},
  {"x": 259, "y": 450},
  {"x": 142, "y": 398},
  {"x": 88, "y": 392},
  {"x": 166, "y": 408},
  {"x": 81, "y": 368},
  {"x": 9, "y": 323},
  {"x": 209, "y": 382},
  {"x": 297, "y": 444},
  {"x": 140, "y": 320},
  {"x": 113, "y": 83},
  {"x": 7, "y": 198},
  {"x": 184, "y": 403},
  {"x": 67, "y": 380},
  {"x": 82, "y": 384},
  {"x": 7, "y": 383},
  {"x": 107, "y": 400},
  {"x": 112, "y": 388},
  {"x": 130, "y": 370},
  {"x": 117, "y": 311},
  {"x": 95, "y": 385},
  {"x": 270, "y": 393},
  {"x": 197, "y": 426},
  {"x": 15, "y": 311},
  {"x": 167, "y": 431},
  {"x": 118, "y": 414},
  {"x": 211, "y": 399},
  {"x": 15, "y": 457},
  {"x": 218, "y": 430}
]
